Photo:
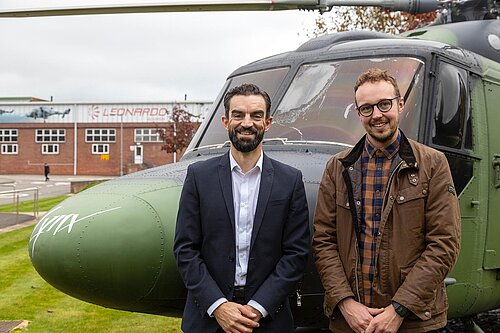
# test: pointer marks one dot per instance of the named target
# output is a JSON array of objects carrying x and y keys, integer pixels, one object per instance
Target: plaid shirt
[{"x": 375, "y": 166}]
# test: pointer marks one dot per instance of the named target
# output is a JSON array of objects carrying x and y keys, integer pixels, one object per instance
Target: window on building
[
  {"x": 10, "y": 148},
  {"x": 100, "y": 135},
  {"x": 100, "y": 149},
  {"x": 8, "y": 135},
  {"x": 147, "y": 135},
  {"x": 50, "y": 135},
  {"x": 49, "y": 148}
]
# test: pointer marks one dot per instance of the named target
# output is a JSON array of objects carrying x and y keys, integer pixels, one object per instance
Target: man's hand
[
  {"x": 258, "y": 315},
  {"x": 357, "y": 315},
  {"x": 236, "y": 318},
  {"x": 386, "y": 322}
]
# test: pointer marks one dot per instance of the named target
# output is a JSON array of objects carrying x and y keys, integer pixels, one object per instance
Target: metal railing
[{"x": 15, "y": 197}]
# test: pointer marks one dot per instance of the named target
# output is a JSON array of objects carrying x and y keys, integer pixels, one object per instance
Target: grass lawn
[
  {"x": 24, "y": 295},
  {"x": 27, "y": 206}
]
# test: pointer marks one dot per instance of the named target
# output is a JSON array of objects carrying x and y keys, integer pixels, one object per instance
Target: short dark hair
[
  {"x": 247, "y": 89},
  {"x": 375, "y": 75}
]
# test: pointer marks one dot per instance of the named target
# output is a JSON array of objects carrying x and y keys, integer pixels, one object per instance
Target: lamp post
[{"x": 121, "y": 145}]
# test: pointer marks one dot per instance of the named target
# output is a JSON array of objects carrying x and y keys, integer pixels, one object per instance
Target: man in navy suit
[{"x": 242, "y": 233}]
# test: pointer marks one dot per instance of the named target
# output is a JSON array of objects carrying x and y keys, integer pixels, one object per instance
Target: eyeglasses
[{"x": 384, "y": 105}]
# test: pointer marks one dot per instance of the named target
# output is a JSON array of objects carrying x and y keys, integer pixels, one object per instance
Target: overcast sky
[{"x": 137, "y": 57}]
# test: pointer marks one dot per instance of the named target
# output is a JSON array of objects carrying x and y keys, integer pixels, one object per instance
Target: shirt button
[
  {"x": 347, "y": 204},
  {"x": 427, "y": 314},
  {"x": 413, "y": 180},
  {"x": 424, "y": 191},
  {"x": 351, "y": 168},
  {"x": 379, "y": 233},
  {"x": 401, "y": 198},
  {"x": 358, "y": 202}
]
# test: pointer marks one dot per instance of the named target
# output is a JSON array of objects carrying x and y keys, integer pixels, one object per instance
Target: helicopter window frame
[
  {"x": 412, "y": 126},
  {"x": 463, "y": 132},
  {"x": 214, "y": 132}
]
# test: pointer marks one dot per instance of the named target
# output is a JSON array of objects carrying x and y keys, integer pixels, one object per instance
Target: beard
[
  {"x": 382, "y": 137},
  {"x": 245, "y": 145}
]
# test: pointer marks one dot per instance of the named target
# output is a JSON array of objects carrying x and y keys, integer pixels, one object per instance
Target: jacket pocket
[
  {"x": 410, "y": 194},
  {"x": 342, "y": 199},
  {"x": 409, "y": 211}
]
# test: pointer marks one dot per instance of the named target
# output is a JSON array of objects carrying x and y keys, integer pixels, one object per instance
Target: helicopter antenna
[{"x": 410, "y": 6}]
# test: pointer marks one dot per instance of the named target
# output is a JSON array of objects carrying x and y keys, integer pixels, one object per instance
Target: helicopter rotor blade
[
  {"x": 185, "y": 6},
  {"x": 410, "y": 6}
]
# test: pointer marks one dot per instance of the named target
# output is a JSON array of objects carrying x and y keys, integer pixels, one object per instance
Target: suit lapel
[
  {"x": 266, "y": 182},
  {"x": 227, "y": 186}
]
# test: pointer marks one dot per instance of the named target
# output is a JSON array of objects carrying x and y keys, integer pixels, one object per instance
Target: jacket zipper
[{"x": 389, "y": 183}]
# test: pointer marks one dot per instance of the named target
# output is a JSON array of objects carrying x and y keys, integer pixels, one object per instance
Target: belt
[{"x": 239, "y": 294}]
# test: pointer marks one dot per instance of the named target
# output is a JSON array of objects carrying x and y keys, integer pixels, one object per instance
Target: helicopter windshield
[
  {"x": 319, "y": 104},
  {"x": 267, "y": 80}
]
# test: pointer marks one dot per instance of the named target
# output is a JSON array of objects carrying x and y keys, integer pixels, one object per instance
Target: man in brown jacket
[{"x": 387, "y": 223}]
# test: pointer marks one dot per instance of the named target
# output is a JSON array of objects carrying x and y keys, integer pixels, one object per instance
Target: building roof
[{"x": 21, "y": 99}]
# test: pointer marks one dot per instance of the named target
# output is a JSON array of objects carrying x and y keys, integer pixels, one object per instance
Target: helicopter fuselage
[{"x": 117, "y": 237}]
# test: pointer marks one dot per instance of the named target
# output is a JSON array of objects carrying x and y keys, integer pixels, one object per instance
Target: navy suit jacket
[{"x": 205, "y": 249}]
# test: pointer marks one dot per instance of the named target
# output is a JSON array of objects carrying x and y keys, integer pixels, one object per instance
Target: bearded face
[
  {"x": 247, "y": 122},
  {"x": 245, "y": 139}
]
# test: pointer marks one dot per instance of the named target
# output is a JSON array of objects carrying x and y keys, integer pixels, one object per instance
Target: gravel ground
[{"x": 488, "y": 321}]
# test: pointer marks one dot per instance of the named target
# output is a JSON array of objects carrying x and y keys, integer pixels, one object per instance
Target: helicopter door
[{"x": 492, "y": 249}]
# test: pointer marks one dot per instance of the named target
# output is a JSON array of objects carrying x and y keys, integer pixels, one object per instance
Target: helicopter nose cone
[{"x": 108, "y": 248}]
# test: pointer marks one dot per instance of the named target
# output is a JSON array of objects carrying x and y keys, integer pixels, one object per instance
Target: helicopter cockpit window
[
  {"x": 452, "y": 117},
  {"x": 268, "y": 80},
  {"x": 319, "y": 104}
]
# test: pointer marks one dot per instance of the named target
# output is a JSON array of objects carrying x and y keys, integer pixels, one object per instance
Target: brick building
[{"x": 87, "y": 138}]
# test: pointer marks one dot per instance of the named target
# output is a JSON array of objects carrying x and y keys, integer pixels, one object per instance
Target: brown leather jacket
[{"x": 417, "y": 245}]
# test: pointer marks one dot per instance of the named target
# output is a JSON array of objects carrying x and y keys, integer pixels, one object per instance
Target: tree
[
  {"x": 368, "y": 18},
  {"x": 177, "y": 136}
]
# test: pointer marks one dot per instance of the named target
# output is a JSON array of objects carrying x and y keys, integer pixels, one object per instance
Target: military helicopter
[
  {"x": 44, "y": 112},
  {"x": 5, "y": 111},
  {"x": 112, "y": 244}
]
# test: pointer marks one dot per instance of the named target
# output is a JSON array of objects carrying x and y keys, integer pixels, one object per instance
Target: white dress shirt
[{"x": 245, "y": 196}]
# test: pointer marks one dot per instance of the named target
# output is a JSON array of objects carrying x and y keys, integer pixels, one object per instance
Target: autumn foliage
[
  {"x": 368, "y": 18},
  {"x": 179, "y": 132}
]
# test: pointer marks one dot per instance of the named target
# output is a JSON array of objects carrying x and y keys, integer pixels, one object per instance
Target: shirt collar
[
  {"x": 389, "y": 152},
  {"x": 234, "y": 164}
]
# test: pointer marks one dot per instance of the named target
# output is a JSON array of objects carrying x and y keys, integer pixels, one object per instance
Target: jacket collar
[{"x": 405, "y": 152}]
